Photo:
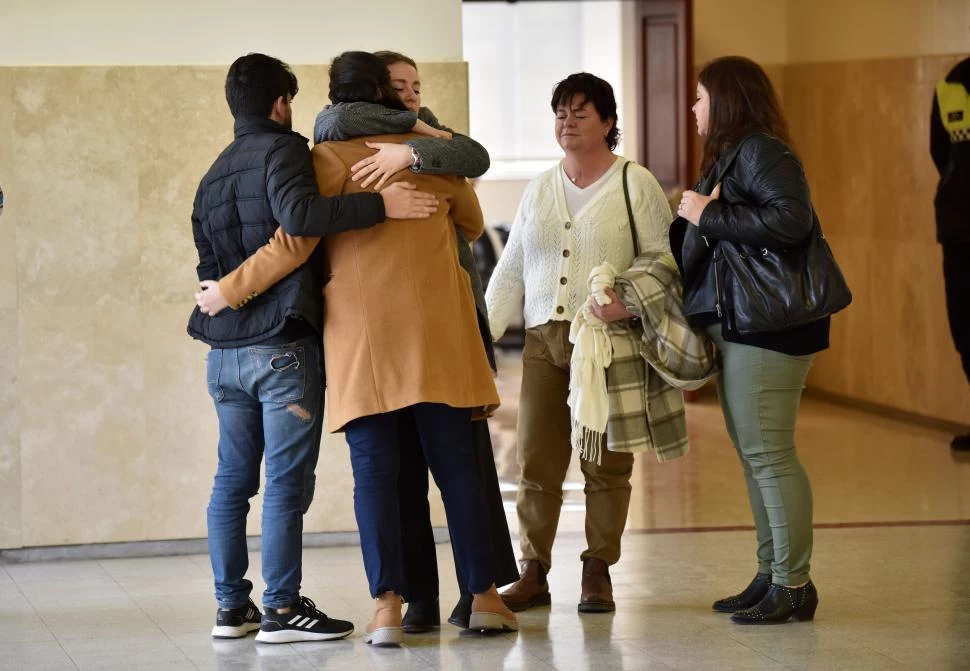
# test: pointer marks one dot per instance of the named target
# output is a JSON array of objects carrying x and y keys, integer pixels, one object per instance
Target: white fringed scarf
[{"x": 588, "y": 400}]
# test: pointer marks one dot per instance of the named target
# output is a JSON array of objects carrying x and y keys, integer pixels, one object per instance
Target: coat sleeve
[
  {"x": 778, "y": 211},
  {"x": 344, "y": 121},
  {"x": 269, "y": 264},
  {"x": 297, "y": 203}
]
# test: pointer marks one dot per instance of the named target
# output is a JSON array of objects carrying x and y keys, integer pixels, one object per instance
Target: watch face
[{"x": 1, "y": 201}]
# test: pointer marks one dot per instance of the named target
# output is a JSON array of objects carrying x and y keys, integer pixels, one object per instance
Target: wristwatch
[{"x": 415, "y": 160}]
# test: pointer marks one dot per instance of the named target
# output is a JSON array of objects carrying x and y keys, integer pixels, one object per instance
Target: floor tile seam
[
  {"x": 161, "y": 629},
  {"x": 138, "y": 606},
  {"x": 764, "y": 654},
  {"x": 57, "y": 639}
]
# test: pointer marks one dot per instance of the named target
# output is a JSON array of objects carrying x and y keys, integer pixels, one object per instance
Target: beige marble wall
[
  {"x": 862, "y": 130},
  {"x": 106, "y": 431},
  {"x": 9, "y": 411}
]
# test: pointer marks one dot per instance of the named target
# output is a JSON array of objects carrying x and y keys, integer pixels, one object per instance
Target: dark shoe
[
  {"x": 462, "y": 612},
  {"x": 530, "y": 590},
  {"x": 749, "y": 598},
  {"x": 780, "y": 605},
  {"x": 422, "y": 617},
  {"x": 303, "y": 622},
  {"x": 961, "y": 443},
  {"x": 236, "y": 622},
  {"x": 597, "y": 588}
]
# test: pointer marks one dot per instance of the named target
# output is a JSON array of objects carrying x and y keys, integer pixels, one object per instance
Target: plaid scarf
[{"x": 653, "y": 361}]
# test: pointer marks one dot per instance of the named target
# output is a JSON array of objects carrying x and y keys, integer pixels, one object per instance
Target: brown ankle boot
[
  {"x": 530, "y": 590},
  {"x": 597, "y": 587}
]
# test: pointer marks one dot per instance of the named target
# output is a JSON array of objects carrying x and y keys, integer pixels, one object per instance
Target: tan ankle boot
[
  {"x": 597, "y": 587},
  {"x": 489, "y": 613},
  {"x": 530, "y": 590},
  {"x": 384, "y": 631}
]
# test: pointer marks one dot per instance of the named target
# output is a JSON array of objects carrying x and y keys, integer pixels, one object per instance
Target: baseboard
[
  {"x": 169, "y": 548},
  {"x": 936, "y": 423}
]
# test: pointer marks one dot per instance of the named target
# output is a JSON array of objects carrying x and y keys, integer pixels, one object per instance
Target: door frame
[{"x": 687, "y": 168}]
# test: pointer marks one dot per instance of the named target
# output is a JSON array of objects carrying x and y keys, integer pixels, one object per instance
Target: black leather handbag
[{"x": 769, "y": 290}]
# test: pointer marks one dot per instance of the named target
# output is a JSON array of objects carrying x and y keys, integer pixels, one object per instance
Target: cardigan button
[
  {"x": 560, "y": 310},
  {"x": 568, "y": 225},
  {"x": 565, "y": 253},
  {"x": 563, "y": 280}
]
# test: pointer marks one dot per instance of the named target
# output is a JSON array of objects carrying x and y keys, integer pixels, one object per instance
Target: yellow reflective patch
[{"x": 954, "y": 102}]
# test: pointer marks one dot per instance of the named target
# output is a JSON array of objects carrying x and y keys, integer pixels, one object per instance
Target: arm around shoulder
[{"x": 296, "y": 200}]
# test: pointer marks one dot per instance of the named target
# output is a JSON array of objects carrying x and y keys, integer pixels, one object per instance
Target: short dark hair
[
  {"x": 360, "y": 76},
  {"x": 389, "y": 58},
  {"x": 742, "y": 102},
  {"x": 255, "y": 82},
  {"x": 594, "y": 90}
]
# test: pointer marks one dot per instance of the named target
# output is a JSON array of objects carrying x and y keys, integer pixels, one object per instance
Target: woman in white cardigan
[{"x": 571, "y": 218}]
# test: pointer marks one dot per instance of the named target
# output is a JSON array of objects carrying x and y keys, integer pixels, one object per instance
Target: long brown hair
[
  {"x": 390, "y": 58},
  {"x": 742, "y": 101}
]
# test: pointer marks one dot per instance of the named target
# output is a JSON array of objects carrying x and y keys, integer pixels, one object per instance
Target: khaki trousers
[{"x": 544, "y": 452}]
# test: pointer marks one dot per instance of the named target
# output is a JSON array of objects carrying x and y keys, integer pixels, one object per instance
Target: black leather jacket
[{"x": 764, "y": 202}]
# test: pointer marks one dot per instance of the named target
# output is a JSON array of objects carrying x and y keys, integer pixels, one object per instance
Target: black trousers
[
  {"x": 417, "y": 538},
  {"x": 956, "y": 276}
]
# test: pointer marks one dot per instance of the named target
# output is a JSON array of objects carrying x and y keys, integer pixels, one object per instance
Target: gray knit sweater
[{"x": 460, "y": 155}]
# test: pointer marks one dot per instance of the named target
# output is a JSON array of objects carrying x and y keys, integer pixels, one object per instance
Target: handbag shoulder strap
[{"x": 629, "y": 212}]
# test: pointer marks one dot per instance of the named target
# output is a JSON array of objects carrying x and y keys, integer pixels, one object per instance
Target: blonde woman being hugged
[{"x": 571, "y": 218}]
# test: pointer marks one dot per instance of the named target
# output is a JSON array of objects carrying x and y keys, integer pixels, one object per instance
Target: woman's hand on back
[{"x": 389, "y": 159}]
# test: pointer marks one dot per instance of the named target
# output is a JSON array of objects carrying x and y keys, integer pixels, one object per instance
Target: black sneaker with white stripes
[
  {"x": 236, "y": 622},
  {"x": 303, "y": 622}
]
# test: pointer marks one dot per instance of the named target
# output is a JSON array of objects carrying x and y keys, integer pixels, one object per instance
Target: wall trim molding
[
  {"x": 171, "y": 548},
  {"x": 936, "y": 423}
]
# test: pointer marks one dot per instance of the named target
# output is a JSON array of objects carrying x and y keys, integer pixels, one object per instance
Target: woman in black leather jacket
[{"x": 758, "y": 196}]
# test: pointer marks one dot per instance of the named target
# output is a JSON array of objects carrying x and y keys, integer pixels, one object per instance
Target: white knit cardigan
[{"x": 549, "y": 254}]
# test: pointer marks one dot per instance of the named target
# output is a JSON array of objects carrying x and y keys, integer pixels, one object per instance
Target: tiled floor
[{"x": 892, "y": 562}]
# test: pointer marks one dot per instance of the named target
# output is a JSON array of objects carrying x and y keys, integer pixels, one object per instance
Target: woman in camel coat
[
  {"x": 400, "y": 326},
  {"x": 401, "y": 342}
]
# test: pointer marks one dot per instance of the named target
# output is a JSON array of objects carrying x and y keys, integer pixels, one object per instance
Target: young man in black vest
[{"x": 265, "y": 369}]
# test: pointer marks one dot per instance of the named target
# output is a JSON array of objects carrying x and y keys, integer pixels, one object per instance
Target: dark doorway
[{"x": 665, "y": 80}]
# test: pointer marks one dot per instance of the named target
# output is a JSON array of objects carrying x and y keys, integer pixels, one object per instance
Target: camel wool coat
[{"x": 399, "y": 326}]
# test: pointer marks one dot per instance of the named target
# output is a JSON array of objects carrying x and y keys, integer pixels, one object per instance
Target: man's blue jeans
[{"x": 269, "y": 400}]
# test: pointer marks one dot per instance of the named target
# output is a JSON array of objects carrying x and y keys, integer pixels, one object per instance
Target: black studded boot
[
  {"x": 780, "y": 605},
  {"x": 750, "y": 596}
]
